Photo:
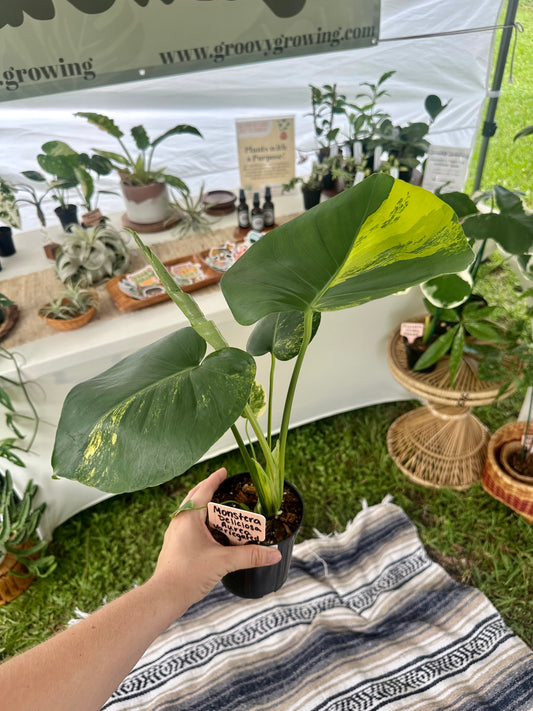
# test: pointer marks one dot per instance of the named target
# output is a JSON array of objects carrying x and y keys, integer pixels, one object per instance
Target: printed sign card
[
  {"x": 266, "y": 150},
  {"x": 411, "y": 330},
  {"x": 238, "y": 525},
  {"x": 446, "y": 168}
]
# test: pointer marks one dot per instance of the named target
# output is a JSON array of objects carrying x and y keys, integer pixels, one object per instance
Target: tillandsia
[
  {"x": 90, "y": 255},
  {"x": 73, "y": 301}
]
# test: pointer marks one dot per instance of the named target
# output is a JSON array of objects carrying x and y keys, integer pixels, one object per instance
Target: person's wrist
[{"x": 169, "y": 594}]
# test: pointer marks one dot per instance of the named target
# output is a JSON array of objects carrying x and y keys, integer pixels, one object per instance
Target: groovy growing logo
[{"x": 13, "y": 14}]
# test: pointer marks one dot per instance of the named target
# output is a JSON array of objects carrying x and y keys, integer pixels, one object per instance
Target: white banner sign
[{"x": 48, "y": 46}]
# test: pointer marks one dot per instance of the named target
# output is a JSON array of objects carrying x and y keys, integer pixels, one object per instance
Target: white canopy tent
[{"x": 456, "y": 67}]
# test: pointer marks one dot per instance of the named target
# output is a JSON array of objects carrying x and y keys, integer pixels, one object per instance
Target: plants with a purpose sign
[{"x": 154, "y": 414}]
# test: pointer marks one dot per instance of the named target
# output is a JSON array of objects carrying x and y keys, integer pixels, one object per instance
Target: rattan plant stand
[{"x": 441, "y": 444}]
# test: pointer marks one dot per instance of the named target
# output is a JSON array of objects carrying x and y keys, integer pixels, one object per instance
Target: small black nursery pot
[{"x": 7, "y": 246}]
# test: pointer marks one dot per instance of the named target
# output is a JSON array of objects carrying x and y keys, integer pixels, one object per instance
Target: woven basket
[
  {"x": 70, "y": 324},
  {"x": 12, "y": 586},
  {"x": 517, "y": 495}
]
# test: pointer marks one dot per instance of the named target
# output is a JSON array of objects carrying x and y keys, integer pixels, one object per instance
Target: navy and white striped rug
[{"x": 365, "y": 621}]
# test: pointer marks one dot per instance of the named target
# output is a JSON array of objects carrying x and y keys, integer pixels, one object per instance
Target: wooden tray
[{"x": 127, "y": 303}]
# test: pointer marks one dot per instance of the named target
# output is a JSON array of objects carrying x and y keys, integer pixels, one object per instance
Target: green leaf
[
  {"x": 58, "y": 148},
  {"x": 485, "y": 331},
  {"x": 175, "y": 182},
  {"x": 460, "y": 203},
  {"x": 375, "y": 239},
  {"x": 280, "y": 334},
  {"x": 152, "y": 415},
  {"x": 140, "y": 137},
  {"x": 102, "y": 122},
  {"x": 437, "y": 349},
  {"x": 449, "y": 290},
  {"x": 113, "y": 156},
  {"x": 526, "y": 131},
  {"x": 180, "y": 129},
  {"x": 512, "y": 231},
  {"x": 5, "y": 400},
  {"x": 434, "y": 105},
  {"x": 34, "y": 175},
  {"x": 456, "y": 353}
]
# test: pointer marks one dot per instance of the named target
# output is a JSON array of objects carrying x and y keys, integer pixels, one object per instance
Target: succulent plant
[
  {"x": 91, "y": 255},
  {"x": 18, "y": 525}
]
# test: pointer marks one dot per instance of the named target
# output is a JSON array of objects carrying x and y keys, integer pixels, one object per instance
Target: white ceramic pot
[{"x": 146, "y": 204}]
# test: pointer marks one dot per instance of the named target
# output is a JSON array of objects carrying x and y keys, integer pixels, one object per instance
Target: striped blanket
[{"x": 365, "y": 621}]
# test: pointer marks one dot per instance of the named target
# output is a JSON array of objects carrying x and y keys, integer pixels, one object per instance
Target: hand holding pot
[{"x": 191, "y": 562}]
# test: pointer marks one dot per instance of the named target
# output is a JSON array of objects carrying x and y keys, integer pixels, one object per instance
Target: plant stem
[
  {"x": 528, "y": 420},
  {"x": 270, "y": 393},
  {"x": 308, "y": 327}
]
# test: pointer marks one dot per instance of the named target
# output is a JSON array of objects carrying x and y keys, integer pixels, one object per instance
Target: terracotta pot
[
  {"x": 515, "y": 494},
  {"x": 146, "y": 204},
  {"x": 50, "y": 249},
  {"x": 92, "y": 218},
  {"x": 508, "y": 450},
  {"x": 72, "y": 323},
  {"x": 11, "y": 586}
]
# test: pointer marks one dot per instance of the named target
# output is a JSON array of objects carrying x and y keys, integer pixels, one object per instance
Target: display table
[
  {"x": 345, "y": 367},
  {"x": 442, "y": 443}
]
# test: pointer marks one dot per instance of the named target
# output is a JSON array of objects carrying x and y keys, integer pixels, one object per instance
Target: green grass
[
  {"x": 336, "y": 463},
  {"x": 510, "y": 163}
]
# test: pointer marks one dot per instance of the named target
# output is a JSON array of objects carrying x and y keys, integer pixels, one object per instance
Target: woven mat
[
  {"x": 31, "y": 291},
  {"x": 365, "y": 621}
]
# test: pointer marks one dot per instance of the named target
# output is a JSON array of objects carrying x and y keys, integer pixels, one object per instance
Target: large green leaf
[
  {"x": 152, "y": 415},
  {"x": 280, "y": 334},
  {"x": 177, "y": 130},
  {"x": 379, "y": 237},
  {"x": 102, "y": 122}
]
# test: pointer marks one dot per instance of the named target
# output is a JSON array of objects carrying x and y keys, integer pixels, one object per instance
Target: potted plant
[
  {"x": 21, "y": 556},
  {"x": 10, "y": 216},
  {"x": 72, "y": 309},
  {"x": 485, "y": 331},
  {"x": 154, "y": 414},
  {"x": 143, "y": 185},
  {"x": 9, "y": 314},
  {"x": 364, "y": 119},
  {"x": 407, "y": 145},
  {"x": 311, "y": 186},
  {"x": 91, "y": 255},
  {"x": 60, "y": 161}
]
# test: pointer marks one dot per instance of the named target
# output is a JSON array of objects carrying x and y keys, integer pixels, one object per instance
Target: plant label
[
  {"x": 527, "y": 442},
  {"x": 411, "y": 330},
  {"x": 238, "y": 525}
]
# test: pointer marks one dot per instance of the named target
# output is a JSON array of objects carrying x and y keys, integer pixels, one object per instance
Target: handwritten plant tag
[
  {"x": 527, "y": 442},
  {"x": 411, "y": 330},
  {"x": 238, "y": 525}
]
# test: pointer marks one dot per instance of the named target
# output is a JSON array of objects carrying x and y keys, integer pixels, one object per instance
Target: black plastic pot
[
  {"x": 258, "y": 582},
  {"x": 7, "y": 246},
  {"x": 311, "y": 198},
  {"x": 413, "y": 351},
  {"x": 67, "y": 215}
]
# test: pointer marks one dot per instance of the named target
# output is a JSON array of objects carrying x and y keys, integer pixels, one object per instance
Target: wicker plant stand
[{"x": 441, "y": 444}]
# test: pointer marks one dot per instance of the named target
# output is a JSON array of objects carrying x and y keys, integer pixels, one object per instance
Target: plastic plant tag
[
  {"x": 527, "y": 442},
  {"x": 238, "y": 525},
  {"x": 411, "y": 330}
]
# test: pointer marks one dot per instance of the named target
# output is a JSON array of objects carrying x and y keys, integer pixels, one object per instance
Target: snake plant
[{"x": 91, "y": 255}]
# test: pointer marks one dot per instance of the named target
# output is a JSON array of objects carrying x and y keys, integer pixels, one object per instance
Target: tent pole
[{"x": 489, "y": 125}]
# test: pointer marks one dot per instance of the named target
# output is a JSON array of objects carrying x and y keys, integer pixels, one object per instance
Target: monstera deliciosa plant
[{"x": 154, "y": 414}]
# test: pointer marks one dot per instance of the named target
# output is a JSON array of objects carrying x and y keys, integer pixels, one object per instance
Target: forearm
[{"x": 82, "y": 666}]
